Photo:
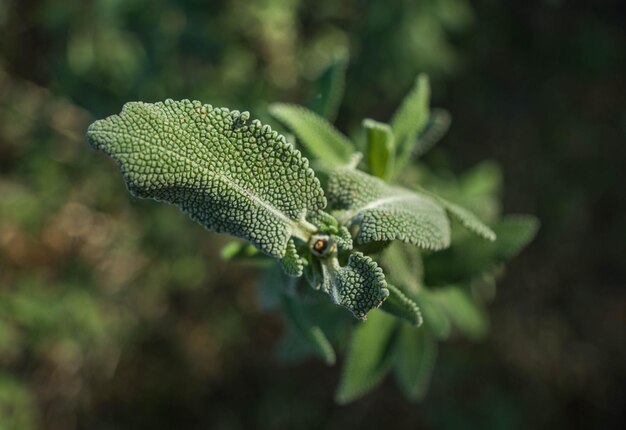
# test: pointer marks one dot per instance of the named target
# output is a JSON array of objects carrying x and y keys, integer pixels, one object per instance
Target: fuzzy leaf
[
  {"x": 402, "y": 265},
  {"x": 320, "y": 138},
  {"x": 380, "y": 150},
  {"x": 466, "y": 315},
  {"x": 410, "y": 119},
  {"x": 383, "y": 212},
  {"x": 464, "y": 216},
  {"x": 233, "y": 177},
  {"x": 415, "y": 358},
  {"x": 514, "y": 233},
  {"x": 310, "y": 332},
  {"x": 291, "y": 262},
  {"x": 359, "y": 286},
  {"x": 437, "y": 127},
  {"x": 401, "y": 306},
  {"x": 330, "y": 86},
  {"x": 369, "y": 357}
]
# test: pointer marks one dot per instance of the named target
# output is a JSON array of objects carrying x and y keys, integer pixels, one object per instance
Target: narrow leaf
[
  {"x": 399, "y": 305},
  {"x": 233, "y": 177},
  {"x": 291, "y": 262},
  {"x": 382, "y": 212},
  {"x": 271, "y": 287},
  {"x": 369, "y": 357},
  {"x": 466, "y": 315},
  {"x": 410, "y": 119},
  {"x": 436, "y": 320},
  {"x": 330, "y": 86},
  {"x": 464, "y": 216},
  {"x": 319, "y": 137},
  {"x": 402, "y": 264},
  {"x": 309, "y": 331},
  {"x": 239, "y": 250},
  {"x": 437, "y": 127},
  {"x": 415, "y": 358},
  {"x": 380, "y": 151},
  {"x": 514, "y": 233}
]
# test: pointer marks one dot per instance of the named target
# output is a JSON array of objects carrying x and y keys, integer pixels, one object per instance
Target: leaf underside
[
  {"x": 233, "y": 177},
  {"x": 383, "y": 212}
]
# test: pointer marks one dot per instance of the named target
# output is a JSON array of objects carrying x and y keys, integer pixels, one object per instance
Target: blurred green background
[{"x": 117, "y": 313}]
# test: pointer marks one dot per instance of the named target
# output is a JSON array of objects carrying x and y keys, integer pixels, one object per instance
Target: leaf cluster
[{"x": 412, "y": 258}]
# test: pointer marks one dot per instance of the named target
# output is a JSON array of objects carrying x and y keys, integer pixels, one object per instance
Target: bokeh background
[{"x": 117, "y": 313}]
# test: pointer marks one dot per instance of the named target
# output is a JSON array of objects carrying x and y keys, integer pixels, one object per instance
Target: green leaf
[
  {"x": 233, "y": 177},
  {"x": 402, "y": 265},
  {"x": 239, "y": 250},
  {"x": 310, "y": 332},
  {"x": 415, "y": 358},
  {"x": 514, "y": 233},
  {"x": 466, "y": 315},
  {"x": 380, "y": 151},
  {"x": 271, "y": 286},
  {"x": 382, "y": 212},
  {"x": 359, "y": 286},
  {"x": 319, "y": 137},
  {"x": 369, "y": 357},
  {"x": 435, "y": 318},
  {"x": 292, "y": 263},
  {"x": 437, "y": 127},
  {"x": 464, "y": 216},
  {"x": 330, "y": 86},
  {"x": 410, "y": 119},
  {"x": 399, "y": 305}
]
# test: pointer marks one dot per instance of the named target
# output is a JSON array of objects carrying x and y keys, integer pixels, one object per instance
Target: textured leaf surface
[
  {"x": 292, "y": 263},
  {"x": 400, "y": 305},
  {"x": 320, "y": 138},
  {"x": 232, "y": 177},
  {"x": 380, "y": 152},
  {"x": 410, "y": 119},
  {"x": 464, "y": 216},
  {"x": 415, "y": 359},
  {"x": 369, "y": 357},
  {"x": 359, "y": 286},
  {"x": 383, "y": 212},
  {"x": 310, "y": 332}
]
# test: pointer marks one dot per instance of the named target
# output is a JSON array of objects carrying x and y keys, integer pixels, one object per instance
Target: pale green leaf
[
  {"x": 415, "y": 358},
  {"x": 369, "y": 357},
  {"x": 271, "y": 286},
  {"x": 402, "y": 264},
  {"x": 310, "y": 332},
  {"x": 330, "y": 86},
  {"x": 410, "y": 119},
  {"x": 359, "y": 286},
  {"x": 514, "y": 233},
  {"x": 466, "y": 315},
  {"x": 464, "y": 216},
  {"x": 382, "y": 212},
  {"x": 436, "y": 320},
  {"x": 230, "y": 176},
  {"x": 291, "y": 262},
  {"x": 401, "y": 306},
  {"x": 240, "y": 250},
  {"x": 319, "y": 137},
  {"x": 437, "y": 127},
  {"x": 380, "y": 150}
]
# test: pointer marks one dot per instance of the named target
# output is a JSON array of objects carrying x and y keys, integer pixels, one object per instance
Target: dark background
[{"x": 118, "y": 314}]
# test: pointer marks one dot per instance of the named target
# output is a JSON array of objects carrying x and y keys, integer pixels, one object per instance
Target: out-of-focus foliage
[{"x": 535, "y": 85}]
